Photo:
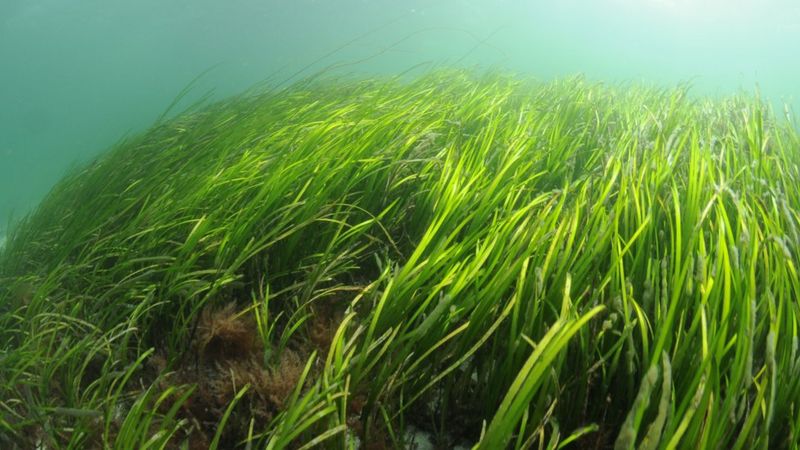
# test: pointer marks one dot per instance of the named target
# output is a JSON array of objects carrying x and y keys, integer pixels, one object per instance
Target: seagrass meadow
[{"x": 499, "y": 262}]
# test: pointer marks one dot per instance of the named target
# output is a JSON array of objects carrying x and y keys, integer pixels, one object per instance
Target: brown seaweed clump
[{"x": 228, "y": 354}]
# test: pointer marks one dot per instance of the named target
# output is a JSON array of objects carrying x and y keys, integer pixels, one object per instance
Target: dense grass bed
[{"x": 500, "y": 263}]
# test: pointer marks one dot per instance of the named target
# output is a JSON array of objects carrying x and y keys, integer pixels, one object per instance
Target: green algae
[{"x": 408, "y": 245}]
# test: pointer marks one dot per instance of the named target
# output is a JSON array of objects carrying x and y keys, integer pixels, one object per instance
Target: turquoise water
[{"x": 77, "y": 76}]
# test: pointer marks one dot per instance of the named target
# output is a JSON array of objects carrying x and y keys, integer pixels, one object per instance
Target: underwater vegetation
[{"x": 501, "y": 263}]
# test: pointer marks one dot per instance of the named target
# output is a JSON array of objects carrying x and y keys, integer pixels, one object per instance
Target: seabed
[{"x": 479, "y": 259}]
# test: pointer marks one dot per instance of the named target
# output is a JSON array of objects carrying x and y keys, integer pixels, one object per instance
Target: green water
[{"x": 77, "y": 76}]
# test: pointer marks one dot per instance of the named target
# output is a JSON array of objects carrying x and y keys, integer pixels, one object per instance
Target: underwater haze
[{"x": 77, "y": 76}]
